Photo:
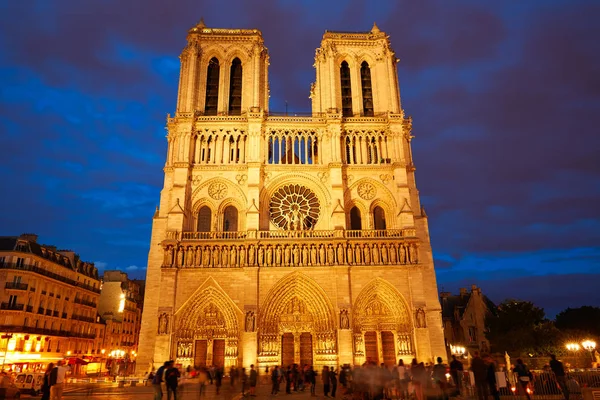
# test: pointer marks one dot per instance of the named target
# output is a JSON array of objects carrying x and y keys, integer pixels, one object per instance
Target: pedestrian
[
  {"x": 560, "y": 375},
  {"x": 244, "y": 379},
  {"x": 439, "y": 376},
  {"x": 288, "y": 380},
  {"x": 253, "y": 380},
  {"x": 57, "y": 380},
  {"x": 456, "y": 372},
  {"x": 491, "y": 377},
  {"x": 311, "y": 378},
  {"x": 479, "y": 370},
  {"x": 158, "y": 380},
  {"x": 202, "y": 380},
  {"x": 325, "y": 378},
  {"x": 171, "y": 380},
  {"x": 275, "y": 380},
  {"x": 232, "y": 374},
  {"x": 524, "y": 376},
  {"x": 218, "y": 378},
  {"x": 334, "y": 381},
  {"x": 46, "y": 382}
]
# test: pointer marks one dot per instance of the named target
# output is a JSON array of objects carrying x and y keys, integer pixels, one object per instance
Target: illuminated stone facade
[{"x": 282, "y": 239}]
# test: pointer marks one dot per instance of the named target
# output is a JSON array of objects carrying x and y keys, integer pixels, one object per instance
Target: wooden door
[
  {"x": 287, "y": 350},
  {"x": 371, "y": 347},
  {"x": 200, "y": 353},
  {"x": 306, "y": 350},
  {"x": 389, "y": 350},
  {"x": 219, "y": 352}
]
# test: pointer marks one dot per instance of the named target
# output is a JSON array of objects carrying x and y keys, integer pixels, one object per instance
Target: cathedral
[{"x": 289, "y": 239}]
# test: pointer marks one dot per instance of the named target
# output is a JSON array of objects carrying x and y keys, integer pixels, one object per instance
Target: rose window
[{"x": 294, "y": 208}]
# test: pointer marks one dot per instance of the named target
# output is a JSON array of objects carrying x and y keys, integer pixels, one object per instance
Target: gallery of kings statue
[{"x": 289, "y": 239}]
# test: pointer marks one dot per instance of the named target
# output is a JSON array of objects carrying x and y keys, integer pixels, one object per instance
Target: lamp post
[
  {"x": 590, "y": 346},
  {"x": 458, "y": 351},
  {"x": 573, "y": 347},
  {"x": 102, "y": 360}
]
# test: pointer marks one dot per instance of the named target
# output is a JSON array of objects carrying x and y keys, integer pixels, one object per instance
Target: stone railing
[{"x": 290, "y": 248}]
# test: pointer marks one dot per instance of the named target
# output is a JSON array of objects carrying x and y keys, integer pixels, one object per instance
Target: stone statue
[
  {"x": 163, "y": 324},
  {"x": 322, "y": 259},
  {"x": 278, "y": 255},
  {"x": 384, "y": 254},
  {"x": 180, "y": 256},
  {"x": 420, "y": 318},
  {"x": 412, "y": 253},
  {"x": 402, "y": 254},
  {"x": 225, "y": 256},
  {"x": 242, "y": 256},
  {"x": 357, "y": 254},
  {"x": 198, "y": 256},
  {"x": 393, "y": 254},
  {"x": 296, "y": 220},
  {"x": 330, "y": 255},
  {"x": 233, "y": 256},
  {"x": 367, "y": 253},
  {"x": 215, "y": 255},
  {"x": 168, "y": 257},
  {"x": 349, "y": 254},
  {"x": 190, "y": 258},
  {"x": 296, "y": 253},
  {"x": 376, "y": 254},
  {"x": 313, "y": 255},
  {"x": 261, "y": 255},
  {"x": 250, "y": 321},
  {"x": 340, "y": 254},
  {"x": 269, "y": 255},
  {"x": 206, "y": 256},
  {"x": 287, "y": 255},
  {"x": 304, "y": 255},
  {"x": 344, "y": 321},
  {"x": 251, "y": 255}
]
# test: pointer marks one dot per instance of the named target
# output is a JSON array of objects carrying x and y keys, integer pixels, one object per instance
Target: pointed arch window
[
  {"x": 204, "y": 217},
  {"x": 235, "y": 88},
  {"x": 367, "y": 91},
  {"x": 355, "y": 220},
  {"x": 212, "y": 87},
  {"x": 379, "y": 218},
  {"x": 346, "y": 90},
  {"x": 230, "y": 219}
]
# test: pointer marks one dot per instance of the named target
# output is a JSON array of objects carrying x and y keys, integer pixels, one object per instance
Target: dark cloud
[{"x": 505, "y": 99}]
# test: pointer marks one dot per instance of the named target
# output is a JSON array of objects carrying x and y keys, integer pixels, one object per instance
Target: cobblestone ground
[{"x": 189, "y": 390}]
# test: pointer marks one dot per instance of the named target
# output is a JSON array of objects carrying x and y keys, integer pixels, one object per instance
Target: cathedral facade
[{"x": 289, "y": 239}]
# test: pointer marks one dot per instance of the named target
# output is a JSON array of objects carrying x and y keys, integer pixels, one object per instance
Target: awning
[{"x": 77, "y": 361}]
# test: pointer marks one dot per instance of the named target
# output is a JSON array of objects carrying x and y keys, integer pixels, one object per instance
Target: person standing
[
  {"x": 325, "y": 378},
  {"x": 252, "y": 381},
  {"x": 218, "y": 378},
  {"x": 275, "y": 380},
  {"x": 561, "y": 377},
  {"x": 491, "y": 378},
  {"x": 57, "y": 380},
  {"x": 334, "y": 381},
  {"x": 46, "y": 382},
  {"x": 439, "y": 376},
  {"x": 523, "y": 377},
  {"x": 480, "y": 373},
  {"x": 311, "y": 378},
  {"x": 171, "y": 380},
  {"x": 456, "y": 371},
  {"x": 158, "y": 380}
]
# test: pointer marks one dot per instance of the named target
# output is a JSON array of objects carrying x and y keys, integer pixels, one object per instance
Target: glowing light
[
  {"x": 28, "y": 346},
  {"x": 573, "y": 347},
  {"x": 122, "y": 303},
  {"x": 103, "y": 351},
  {"x": 38, "y": 346},
  {"x": 69, "y": 352},
  {"x": 589, "y": 345},
  {"x": 12, "y": 345}
]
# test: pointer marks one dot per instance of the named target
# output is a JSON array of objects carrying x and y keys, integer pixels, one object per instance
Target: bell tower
[
  {"x": 356, "y": 75},
  {"x": 223, "y": 72}
]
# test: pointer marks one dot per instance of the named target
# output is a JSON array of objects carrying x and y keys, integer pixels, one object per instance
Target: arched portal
[
  {"x": 379, "y": 218},
  {"x": 230, "y": 219},
  {"x": 204, "y": 217},
  {"x": 382, "y": 325},
  {"x": 207, "y": 330},
  {"x": 297, "y": 324},
  {"x": 355, "y": 220}
]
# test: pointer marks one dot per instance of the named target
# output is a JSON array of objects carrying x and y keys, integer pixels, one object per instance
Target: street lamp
[
  {"x": 102, "y": 360},
  {"x": 573, "y": 347},
  {"x": 8, "y": 336},
  {"x": 457, "y": 350},
  {"x": 590, "y": 346}
]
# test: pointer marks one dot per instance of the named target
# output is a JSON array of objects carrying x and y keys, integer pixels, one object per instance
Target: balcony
[
  {"x": 48, "y": 312},
  {"x": 29, "y": 308},
  {"x": 32, "y": 289},
  {"x": 85, "y": 302},
  {"x": 64, "y": 315},
  {"x": 41, "y": 331},
  {"x": 40, "y": 310},
  {"x": 11, "y": 306},
  {"x": 41, "y": 271},
  {"x": 82, "y": 318},
  {"x": 55, "y": 313},
  {"x": 295, "y": 235},
  {"x": 16, "y": 286}
]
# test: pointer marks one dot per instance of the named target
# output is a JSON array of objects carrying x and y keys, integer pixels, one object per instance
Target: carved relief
[
  {"x": 367, "y": 191},
  {"x": 217, "y": 190},
  {"x": 163, "y": 324},
  {"x": 344, "y": 320},
  {"x": 295, "y": 208},
  {"x": 420, "y": 321},
  {"x": 250, "y": 321}
]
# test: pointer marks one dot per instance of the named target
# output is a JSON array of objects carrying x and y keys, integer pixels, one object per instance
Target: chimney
[
  {"x": 445, "y": 295},
  {"x": 32, "y": 237},
  {"x": 475, "y": 289},
  {"x": 463, "y": 292}
]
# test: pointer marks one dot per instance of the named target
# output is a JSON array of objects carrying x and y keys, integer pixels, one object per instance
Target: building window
[
  {"x": 235, "y": 88},
  {"x": 379, "y": 218},
  {"x": 204, "y": 217},
  {"x": 346, "y": 90},
  {"x": 367, "y": 92},
  {"x": 212, "y": 87},
  {"x": 473, "y": 334},
  {"x": 355, "y": 220},
  {"x": 20, "y": 262},
  {"x": 230, "y": 219}
]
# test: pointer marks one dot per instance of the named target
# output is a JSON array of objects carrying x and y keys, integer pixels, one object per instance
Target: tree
[
  {"x": 586, "y": 319},
  {"x": 517, "y": 326}
]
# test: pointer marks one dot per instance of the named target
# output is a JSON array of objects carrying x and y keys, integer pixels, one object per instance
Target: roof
[{"x": 451, "y": 304}]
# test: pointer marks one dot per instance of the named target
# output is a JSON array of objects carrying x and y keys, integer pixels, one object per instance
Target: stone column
[
  {"x": 209, "y": 352},
  {"x": 379, "y": 348},
  {"x": 297, "y": 348}
]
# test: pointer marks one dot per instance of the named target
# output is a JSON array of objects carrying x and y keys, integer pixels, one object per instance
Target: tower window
[
  {"x": 204, "y": 216},
  {"x": 212, "y": 87},
  {"x": 355, "y": 220},
  {"x": 230, "y": 219},
  {"x": 235, "y": 88},
  {"x": 367, "y": 92},
  {"x": 346, "y": 90},
  {"x": 379, "y": 218}
]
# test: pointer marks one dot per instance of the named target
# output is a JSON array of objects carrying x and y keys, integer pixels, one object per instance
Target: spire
[
  {"x": 375, "y": 28},
  {"x": 201, "y": 24}
]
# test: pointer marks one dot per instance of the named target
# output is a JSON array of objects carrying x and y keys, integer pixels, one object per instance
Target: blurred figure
[
  {"x": 252, "y": 380},
  {"x": 334, "y": 381},
  {"x": 218, "y": 378},
  {"x": 46, "y": 382},
  {"x": 491, "y": 377},
  {"x": 202, "y": 380},
  {"x": 480, "y": 372},
  {"x": 523, "y": 377},
  {"x": 439, "y": 376},
  {"x": 275, "y": 380},
  {"x": 325, "y": 378},
  {"x": 456, "y": 371},
  {"x": 561, "y": 377},
  {"x": 57, "y": 380},
  {"x": 172, "y": 380}
]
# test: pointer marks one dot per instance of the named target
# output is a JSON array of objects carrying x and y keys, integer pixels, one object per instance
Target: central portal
[
  {"x": 287, "y": 349},
  {"x": 202, "y": 356},
  {"x": 306, "y": 349}
]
